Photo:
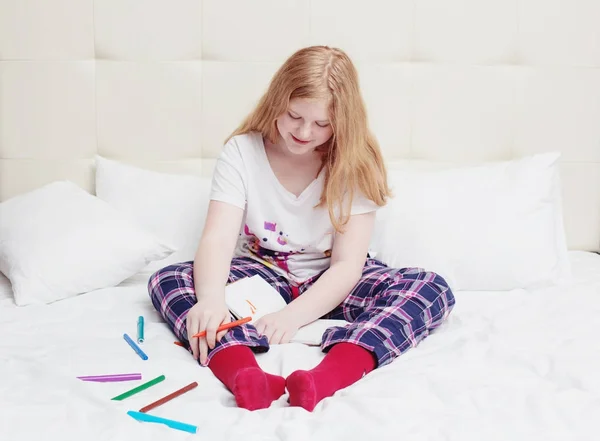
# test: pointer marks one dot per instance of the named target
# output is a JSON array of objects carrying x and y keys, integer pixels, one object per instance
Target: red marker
[{"x": 169, "y": 397}]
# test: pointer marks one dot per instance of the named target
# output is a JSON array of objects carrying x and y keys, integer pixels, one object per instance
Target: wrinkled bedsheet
[{"x": 517, "y": 365}]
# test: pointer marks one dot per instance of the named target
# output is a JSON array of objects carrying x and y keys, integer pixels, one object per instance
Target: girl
[{"x": 294, "y": 196}]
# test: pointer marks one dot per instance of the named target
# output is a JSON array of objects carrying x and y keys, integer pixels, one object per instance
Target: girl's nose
[{"x": 305, "y": 132}]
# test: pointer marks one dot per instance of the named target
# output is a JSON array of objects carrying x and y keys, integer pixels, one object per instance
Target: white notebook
[{"x": 254, "y": 297}]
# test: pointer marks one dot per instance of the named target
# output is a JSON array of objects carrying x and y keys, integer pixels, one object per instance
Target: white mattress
[{"x": 506, "y": 366}]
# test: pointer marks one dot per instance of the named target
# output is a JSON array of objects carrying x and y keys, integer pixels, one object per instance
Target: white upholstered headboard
[{"x": 161, "y": 83}]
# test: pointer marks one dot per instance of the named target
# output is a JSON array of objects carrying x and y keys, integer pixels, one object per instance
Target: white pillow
[
  {"x": 59, "y": 241},
  {"x": 6, "y": 292},
  {"x": 495, "y": 226},
  {"x": 172, "y": 207}
]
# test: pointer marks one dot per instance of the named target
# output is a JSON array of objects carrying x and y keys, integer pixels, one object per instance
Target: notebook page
[{"x": 252, "y": 297}]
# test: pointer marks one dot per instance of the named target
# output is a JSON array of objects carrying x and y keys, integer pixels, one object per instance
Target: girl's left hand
[{"x": 278, "y": 327}]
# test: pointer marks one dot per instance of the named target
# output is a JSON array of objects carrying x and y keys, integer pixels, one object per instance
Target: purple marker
[{"x": 112, "y": 378}]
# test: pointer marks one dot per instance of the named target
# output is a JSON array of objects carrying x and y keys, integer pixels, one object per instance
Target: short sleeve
[
  {"x": 229, "y": 177},
  {"x": 361, "y": 204}
]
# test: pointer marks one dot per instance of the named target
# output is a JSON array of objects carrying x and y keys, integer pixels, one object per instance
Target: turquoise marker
[
  {"x": 154, "y": 419},
  {"x": 140, "y": 333}
]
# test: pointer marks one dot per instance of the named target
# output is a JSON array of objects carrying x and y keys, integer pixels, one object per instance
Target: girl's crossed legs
[{"x": 391, "y": 310}]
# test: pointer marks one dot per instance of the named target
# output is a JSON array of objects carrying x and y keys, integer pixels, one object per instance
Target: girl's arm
[
  {"x": 347, "y": 261},
  {"x": 216, "y": 247},
  {"x": 211, "y": 270}
]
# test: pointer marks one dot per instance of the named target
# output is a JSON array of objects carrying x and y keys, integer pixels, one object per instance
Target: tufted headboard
[{"x": 161, "y": 83}]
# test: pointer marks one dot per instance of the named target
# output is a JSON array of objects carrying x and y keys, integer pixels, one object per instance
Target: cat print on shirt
[
  {"x": 270, "y": 257},
  {"x": 277, "y": 258}
]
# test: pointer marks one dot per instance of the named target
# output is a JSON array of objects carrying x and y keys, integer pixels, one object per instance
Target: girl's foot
[
  {"x": 343, "y": 365},
  {"x": 238, "y": 370}
]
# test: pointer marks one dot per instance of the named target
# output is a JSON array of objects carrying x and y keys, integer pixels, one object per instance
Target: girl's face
[{"x": 305, "y": 126}]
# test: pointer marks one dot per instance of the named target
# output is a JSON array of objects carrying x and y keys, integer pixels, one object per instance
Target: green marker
[
  {"x": 140, "y": 333},
  {"x": 140, "y": 388}
]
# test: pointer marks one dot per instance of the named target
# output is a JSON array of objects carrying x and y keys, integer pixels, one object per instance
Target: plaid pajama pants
[{"x": 390, "y": 310}]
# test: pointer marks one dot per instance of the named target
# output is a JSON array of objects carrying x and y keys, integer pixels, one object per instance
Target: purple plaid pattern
[{"x": 391, "y": 310}]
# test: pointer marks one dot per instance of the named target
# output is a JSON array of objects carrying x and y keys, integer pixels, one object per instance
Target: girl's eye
[
  {"x": 292, "y": 116},
  {"x": 322, "y": 125}
]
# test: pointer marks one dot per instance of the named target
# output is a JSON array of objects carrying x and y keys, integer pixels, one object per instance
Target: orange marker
[{"x": 225, "y": 326}]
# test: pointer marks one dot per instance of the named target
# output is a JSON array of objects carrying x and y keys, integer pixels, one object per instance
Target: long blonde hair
[{"x": 352, "y": 158}]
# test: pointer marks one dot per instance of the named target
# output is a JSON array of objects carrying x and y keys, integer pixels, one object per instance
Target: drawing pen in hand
[{"x": 225, "y": 326}]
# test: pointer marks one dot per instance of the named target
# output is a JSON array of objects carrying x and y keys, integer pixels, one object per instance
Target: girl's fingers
[
  {"x": 276, "y": 337},
  {"x": 221, "y": 334},
  {"x": 260, "y": 327},
  {"x": 268, "y": 332},
  {"x": 203, "y": 350},
  {"x": 211, "y": 331},
  {"x": 202, "y": 345},
  {"x": 192, "y": 328}
]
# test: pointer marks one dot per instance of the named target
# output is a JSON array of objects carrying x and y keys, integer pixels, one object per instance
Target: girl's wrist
[
  {"x": 295, "y": 315},
  {"x": 205, "y": 292}
]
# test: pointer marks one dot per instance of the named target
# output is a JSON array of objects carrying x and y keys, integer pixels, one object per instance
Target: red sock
[
  {"x": 238, "y": 370},
  {"x": 344, "y": 364}
]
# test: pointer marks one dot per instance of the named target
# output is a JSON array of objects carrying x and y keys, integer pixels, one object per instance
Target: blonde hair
[{"x": 352, "y": 158}]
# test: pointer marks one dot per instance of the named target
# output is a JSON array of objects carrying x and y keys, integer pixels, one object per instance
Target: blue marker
[
  {"x": 135, "y": 347},
  {"x": 154, "y": 419},
  {"x": 140, "y": 329}
]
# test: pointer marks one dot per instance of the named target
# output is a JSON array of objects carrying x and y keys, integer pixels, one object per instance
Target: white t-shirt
[{"x": 284, "y": 231}]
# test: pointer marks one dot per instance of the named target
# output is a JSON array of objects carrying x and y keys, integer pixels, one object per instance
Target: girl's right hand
[{"x": 206, "y": 315}]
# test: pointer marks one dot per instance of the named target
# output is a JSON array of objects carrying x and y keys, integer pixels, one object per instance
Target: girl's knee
[
  {"x": 431, "y": 278},
  {"x": 440, "y": 292},
  {"x": 177, "y": 275},
  {"x": 429, "y": 285},
  {"x": 440, "y": 287},
  {"x": 438, "y": 280}
]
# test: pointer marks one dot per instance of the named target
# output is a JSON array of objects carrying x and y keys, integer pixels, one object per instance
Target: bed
[
  {"x": 506, "y": 366},
  {"x": 487, "y": 115}
]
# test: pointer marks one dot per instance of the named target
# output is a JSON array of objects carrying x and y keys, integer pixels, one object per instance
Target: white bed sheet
[{"x": 512, "y": 366}]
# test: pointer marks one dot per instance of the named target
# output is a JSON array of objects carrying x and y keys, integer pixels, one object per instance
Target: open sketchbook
[{"x": 254, "y": 297}]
